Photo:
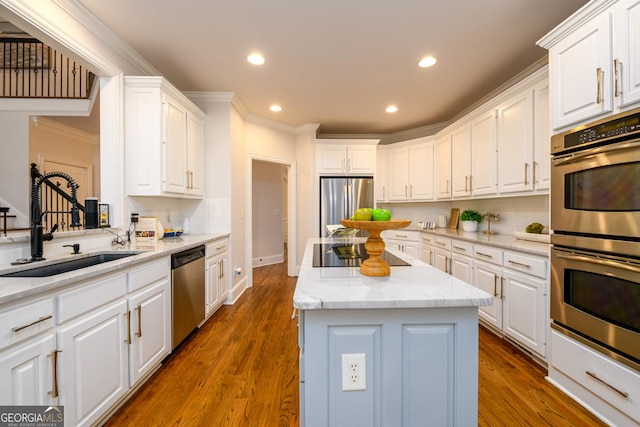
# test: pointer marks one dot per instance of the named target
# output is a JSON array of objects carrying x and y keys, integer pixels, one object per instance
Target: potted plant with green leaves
[{"x": 470, "y": 219}]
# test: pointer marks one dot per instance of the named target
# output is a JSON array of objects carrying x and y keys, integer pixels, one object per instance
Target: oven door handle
[
  {"x": 590, "y": 260},
  {"x": 606, "y": 149}
]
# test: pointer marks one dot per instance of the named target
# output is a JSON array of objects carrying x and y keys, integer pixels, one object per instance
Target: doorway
[{"x": 287, "y": 202}]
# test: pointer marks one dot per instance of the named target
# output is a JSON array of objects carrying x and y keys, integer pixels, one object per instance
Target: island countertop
[{"x": 417, "y": 286}]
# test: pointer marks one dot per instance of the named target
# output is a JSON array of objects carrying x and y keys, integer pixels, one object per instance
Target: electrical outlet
[{"x": 354, "y": 372}]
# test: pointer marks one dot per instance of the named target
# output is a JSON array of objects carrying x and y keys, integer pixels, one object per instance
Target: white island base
[{"x": 418, "y": 332}]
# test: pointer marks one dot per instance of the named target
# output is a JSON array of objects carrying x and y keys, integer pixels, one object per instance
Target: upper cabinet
[
  {"x": 443, "y": 166},
  {"x": 163, "y": 140},
  {"x": 346, "y": 156},
  {"x": 410, "y": 171},
  {"x": 380, "y": 181},
  {"x": 594, "y": 62}
]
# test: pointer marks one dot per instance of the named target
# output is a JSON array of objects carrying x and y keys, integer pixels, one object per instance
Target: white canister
[{"x": 186, "y": 227}]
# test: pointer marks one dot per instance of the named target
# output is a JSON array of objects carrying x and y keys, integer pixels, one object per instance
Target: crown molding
[
  {"x": 60, "y": 129},
  {"x": 222, "y": 97}
]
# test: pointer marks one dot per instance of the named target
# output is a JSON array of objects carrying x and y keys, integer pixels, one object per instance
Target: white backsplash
[{"x": 515, "y": 212}]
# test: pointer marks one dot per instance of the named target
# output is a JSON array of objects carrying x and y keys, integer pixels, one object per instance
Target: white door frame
[{"x": 291, "y": 213}]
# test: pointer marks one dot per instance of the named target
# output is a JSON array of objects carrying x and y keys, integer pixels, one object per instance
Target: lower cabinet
[
  {"x": 419, "y": 364},
  {"x": 113, "y": 331},
  {"x": 26, "y": 374},
  {"x": 404, "y": 241},
  {"x": 519, "y": 288},
  {"x": 27, "y": 354},
  {"x": 216, "y": 277}
]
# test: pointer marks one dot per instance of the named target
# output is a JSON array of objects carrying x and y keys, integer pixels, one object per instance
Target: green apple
[
  {"x": 380, "y": 215},
  {"x": 362, "y": 214}
]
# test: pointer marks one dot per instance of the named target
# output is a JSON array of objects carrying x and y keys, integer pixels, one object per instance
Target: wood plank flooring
[{"x": 241, "y": 369}]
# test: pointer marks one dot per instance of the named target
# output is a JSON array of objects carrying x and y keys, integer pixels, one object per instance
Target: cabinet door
[
  {"x": 443, "y": 167},
  {"x": 150, "y": 329},
  {"x": 421, "y": 172},
  {"x": 426, "y": 254},
  {"x": 442, "y": 260},
  {"x": 331, "y": 158},
  {"x": 174, "y": 146},
  {"x": 381, "y": 177},
  {"x": 525, "y": 317},
  {"x": 223, "y": 281},
  {"x": 361, "y": 159},
  {"x": 411, "y": 249},
  {"x": 488, "y": 278},
  {"x": 194, "y": 176},
  {"x": 627, "y": 48},
  {"x": 484, "y": 156},
  {"x": 462, "y": 267},
  {"x": 542, "y": 137},
  {"x": 213, "y": 275},
  {"x": 26, "y": 374},
  {"x": 515, "y": 143},
  {"x": 93, "y": 364},
  {"x": 580, "y": 73},
  {"x": 461, "y": 162},
  {"x": 399, "y": 174}
]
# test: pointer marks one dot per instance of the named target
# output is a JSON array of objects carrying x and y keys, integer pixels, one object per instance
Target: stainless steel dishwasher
[{"x": 188, "y": 292}]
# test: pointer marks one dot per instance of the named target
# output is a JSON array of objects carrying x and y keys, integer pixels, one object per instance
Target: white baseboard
[
  {"x": 268, "y": 260},
  {"x": 234, "y": 293}
]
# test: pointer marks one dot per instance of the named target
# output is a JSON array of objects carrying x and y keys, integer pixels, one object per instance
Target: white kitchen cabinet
[
  {"x": 443, "y": 166},
  {"x": 484, "y": 157},
  {"x": 541, "y": 177},
  {"x": 593, "y": 62},
  {"x": 410, "y": 174},
  {"x": 94, "y": 364},
  {"x": 26, "y": 373},
  {"x": 346, "y": 156},
  {"x": 515, "y": 143},
  {"x": 27, "y": 348},
  {"x": 404, "y": 241},
  {"x": 461, "y": 161},
  {"x": 381, "y": 178},
  {"x": 149, "y": 317},
  {"x": 163, "y": 140},
  {"x": 427, "y": 249},
  {"x": 216, "y": 265},
  {"x": 462, "y": 260},
  {"x": 442, "y": 254},
  {"x": 519, "y": 288}
]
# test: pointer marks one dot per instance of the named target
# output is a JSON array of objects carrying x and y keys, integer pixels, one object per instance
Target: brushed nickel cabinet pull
[
  {"x": 616, "y": 76},
  {"x": 466, "y": 183},
  {"x": 128, "y": 316},
  {"x": 441, "y": 243},
  {"x": 595, "y": 377},
  {"x": 447, "y": 188},
  {"x": 40, "y": 320},
  {"x": 405, "y": 191},
  {"x": 459, "y": 248},
  {"x": 410, "y": 190},
  {"x": 526, "y": 174},
  {"x": 600, "y": 74},
  {"x": 222, "y": 269},
  {"x": 54, "y": 356},
  {"x": 535, "y": 166},
  {"x": 470, "y": 182},
  {"x": 502, "y": 287},
  {"x": 139, "y": 310},
  {"x": 484, "y": 255}
]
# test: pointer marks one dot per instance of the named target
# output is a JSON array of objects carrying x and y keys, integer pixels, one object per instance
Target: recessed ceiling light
[
  {"x": 391, "y": 109},
  {"x": 427, "y": 61},
  {"x": 255, "y": 59},
  {"x": 275, "y": 108}
]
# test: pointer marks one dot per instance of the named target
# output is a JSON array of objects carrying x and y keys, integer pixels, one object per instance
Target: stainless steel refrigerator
[{"x": 340, "y": 197}]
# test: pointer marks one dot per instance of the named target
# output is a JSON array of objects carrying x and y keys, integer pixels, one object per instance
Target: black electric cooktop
[{"x": 347, "y": 255}]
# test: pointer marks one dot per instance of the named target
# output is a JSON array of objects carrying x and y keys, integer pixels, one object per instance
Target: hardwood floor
[{"x": 241, "y": 369}]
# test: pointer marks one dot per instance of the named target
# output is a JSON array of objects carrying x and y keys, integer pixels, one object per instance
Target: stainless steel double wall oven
[{"x": 595, "y": 218}]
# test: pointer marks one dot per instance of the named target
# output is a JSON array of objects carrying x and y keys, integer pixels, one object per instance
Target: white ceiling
[{"x": 340, "y": 63}]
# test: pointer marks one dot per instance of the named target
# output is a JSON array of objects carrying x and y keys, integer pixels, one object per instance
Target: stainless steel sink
[{"x": 71, "y": 265}]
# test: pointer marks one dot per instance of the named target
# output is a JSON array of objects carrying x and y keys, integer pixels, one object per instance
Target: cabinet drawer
[
  {"x": 217, "y": 247},
  {"x": 413, "y": 236},
  {"x": 90, "y": 296},
  {"x": 488, "y": 254},
  {"x": 426, "y": 239},
  {"x": 442, "y": 243},
  {"x": 147, "y": 274},
  {"x": 526, "y": 264},
  {"x": 460, "y": 247},
  {"x": 580, "y": 363},
  {"x": 19, "y": 323}
]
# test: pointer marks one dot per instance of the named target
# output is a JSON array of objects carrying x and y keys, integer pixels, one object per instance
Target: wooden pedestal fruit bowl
[{"x": 374, "y": 265}]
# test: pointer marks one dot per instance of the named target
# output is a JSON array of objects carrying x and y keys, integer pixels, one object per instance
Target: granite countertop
[
  {"x": 415, "y": 286},
  {"x": 14, "y": 288},
  {"x": 504, "y": 241}
]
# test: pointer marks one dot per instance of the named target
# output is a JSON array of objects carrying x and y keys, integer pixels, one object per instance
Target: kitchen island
[{"x": 415, "y": 331}]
